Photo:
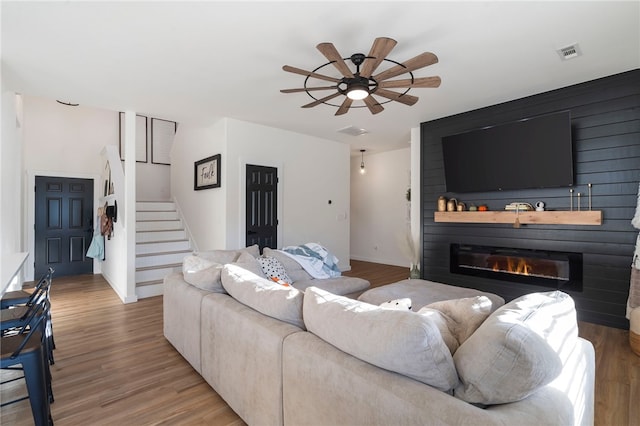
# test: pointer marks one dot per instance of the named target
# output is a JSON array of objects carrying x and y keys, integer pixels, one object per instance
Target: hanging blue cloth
[{"x": 96, "y": 248}]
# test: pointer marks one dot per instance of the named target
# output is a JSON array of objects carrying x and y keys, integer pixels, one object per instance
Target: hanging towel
[
  {"x": 633, "y": 301},
  {"x": 96, "y": 248}
]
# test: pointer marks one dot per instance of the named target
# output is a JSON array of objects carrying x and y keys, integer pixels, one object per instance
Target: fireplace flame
[{"x": 515, "y": 266}]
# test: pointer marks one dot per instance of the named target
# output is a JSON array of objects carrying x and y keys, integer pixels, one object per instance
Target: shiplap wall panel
[{"x": 605, "y": 119}]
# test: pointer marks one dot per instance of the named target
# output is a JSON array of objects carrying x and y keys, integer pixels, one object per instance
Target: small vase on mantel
[{"x": 414, "y": 273}]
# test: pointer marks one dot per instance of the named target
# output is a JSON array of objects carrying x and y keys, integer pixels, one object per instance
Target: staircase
[{"x": 161, "y": 244}]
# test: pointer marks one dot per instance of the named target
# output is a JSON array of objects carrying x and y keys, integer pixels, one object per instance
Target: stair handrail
[{"x": 192, "y": 241}]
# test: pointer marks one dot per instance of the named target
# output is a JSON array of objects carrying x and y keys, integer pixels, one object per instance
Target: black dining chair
[
  {"x": 14, "y": 316},
  {"x": 22, "y": 297},
  {"x": 27, "y": 347}
]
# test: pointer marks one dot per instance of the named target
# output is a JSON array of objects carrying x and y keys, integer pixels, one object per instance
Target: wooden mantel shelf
[{"x": 589, "y": 217}]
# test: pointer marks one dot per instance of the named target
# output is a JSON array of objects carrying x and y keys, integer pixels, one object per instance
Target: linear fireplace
[{"x": 562, "y": 270}]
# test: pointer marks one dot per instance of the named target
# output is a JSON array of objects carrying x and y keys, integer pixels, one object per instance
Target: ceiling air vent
[
  {"x": 570, "y": 52},
  {"x": 353, "y": 131}
]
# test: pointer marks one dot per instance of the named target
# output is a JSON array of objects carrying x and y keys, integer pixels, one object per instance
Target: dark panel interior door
[
  {"x": 64, "y": 225},
  {"x": 261, "y": 202}
]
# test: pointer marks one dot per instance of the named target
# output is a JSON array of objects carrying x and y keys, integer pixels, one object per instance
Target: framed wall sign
[{"x": 207, "y": 173}]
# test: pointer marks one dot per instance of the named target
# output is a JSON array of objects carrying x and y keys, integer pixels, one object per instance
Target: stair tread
[
  {"x": 152, "y": 282},
  {"x": 162, "y": 253},
  {"x": 151, "y": 268},
  {"x": 160, "y": 230},
  {"x": 163, "y": 241}
]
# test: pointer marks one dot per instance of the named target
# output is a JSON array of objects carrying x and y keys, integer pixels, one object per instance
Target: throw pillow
[
  {"x": 202, "y": 273},
  {"x": 263, "y": 295},
  {"x": 397, "y": 304},
  {"x": 457, "y": 319},
  {"x": 248, "y": 262},
  {"x": 272, "y": 268},
  {"x": 520, "y": 348},
  {"x": 295, "y": 271},
  {"x": 400, "y": 341}
]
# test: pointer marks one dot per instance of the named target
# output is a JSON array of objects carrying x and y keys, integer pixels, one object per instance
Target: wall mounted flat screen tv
[{"x": 534, "y": 152}]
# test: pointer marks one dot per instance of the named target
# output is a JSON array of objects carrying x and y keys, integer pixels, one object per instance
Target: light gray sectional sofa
[{"x": 282, "y": 356}]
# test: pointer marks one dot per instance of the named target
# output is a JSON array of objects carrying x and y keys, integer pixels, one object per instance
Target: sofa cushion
[
  {"x": 521, "y": 347},
  {"x": 263, "y": 295},
  {"x": 202, "y": 273},
  {"x": 248, "y": 262},
  {"x": 293, "y": 268},
  {"x": 399, "y": 341},
  {"x": 340, "y": 285},
  {"x": 424, "y": 292},
  {"x": 457, "y": 319},
  {"x": 272, "y": 268},
  {"x": 228, "y": 256}
]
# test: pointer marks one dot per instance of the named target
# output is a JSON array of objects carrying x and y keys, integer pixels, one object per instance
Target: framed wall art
[
  {"x": 162, "y": 134},
  {"x": 141, "y": 138},
  {"x": 207, "y": 173}
]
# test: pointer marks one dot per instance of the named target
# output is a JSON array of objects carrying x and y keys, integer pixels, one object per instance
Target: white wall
[
  {"x": 61, "y": 137},
  {"x": 11, "y": 182},
  {"x": 204, "y": 211},
  {"x": 66, "y": 139},
  {"x": 153, "y": 181},
  {"x": 311, "y": 171},
  {"x": 380, "y": 213}
]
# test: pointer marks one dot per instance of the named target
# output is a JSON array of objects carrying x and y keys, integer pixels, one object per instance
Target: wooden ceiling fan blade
[
  {"x": 331, "y": 53},
  {"x": 319, "y": 101},
  {"x": 308, "y": 89},
  {"x": 373, "y": 105},
  {"x": 407, "y": 83},
  {"x": 345, "y": 106},
  {"x": 420, "y": 61},
  {"x": 310, "y": 74},
  {"x": 381, "y": 47},
  {"x": 398, "y": 97}
]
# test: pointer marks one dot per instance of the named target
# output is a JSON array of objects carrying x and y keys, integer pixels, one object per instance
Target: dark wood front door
[
  {"x": 262, "y": 208},
  {"x": 64, "y": 225}
]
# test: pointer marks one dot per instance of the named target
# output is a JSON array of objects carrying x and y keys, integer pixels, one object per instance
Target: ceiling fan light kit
[{"x": 363, "y": 84}]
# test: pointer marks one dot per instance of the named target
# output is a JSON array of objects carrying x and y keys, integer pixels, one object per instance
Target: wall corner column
[
  {"x": 416, "y": 206},
  {"x": 130, "y": 205}
]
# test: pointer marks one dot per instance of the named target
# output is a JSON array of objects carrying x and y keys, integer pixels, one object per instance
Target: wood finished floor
[{"x": 114, "y": 367}]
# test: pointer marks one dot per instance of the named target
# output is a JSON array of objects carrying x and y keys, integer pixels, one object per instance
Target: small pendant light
[{"x": 362, "y": 169}]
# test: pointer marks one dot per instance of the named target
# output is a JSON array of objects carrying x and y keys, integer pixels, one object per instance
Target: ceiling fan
[{"x": 363, "y": 83}]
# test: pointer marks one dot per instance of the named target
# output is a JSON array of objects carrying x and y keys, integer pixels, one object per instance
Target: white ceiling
[{"x": 199, "y": 61}]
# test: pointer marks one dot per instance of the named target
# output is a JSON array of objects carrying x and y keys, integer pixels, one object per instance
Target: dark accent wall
[{"x": 606, "y": 141}]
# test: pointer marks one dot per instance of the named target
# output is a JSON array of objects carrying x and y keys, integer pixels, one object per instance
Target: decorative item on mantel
[
  {"x": 442, "y": 203},
  {"x": 579, "y": 195}
]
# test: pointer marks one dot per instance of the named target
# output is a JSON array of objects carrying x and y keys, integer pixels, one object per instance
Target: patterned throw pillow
[{"x": 272, "y": 268}]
